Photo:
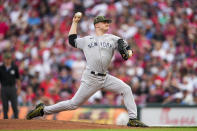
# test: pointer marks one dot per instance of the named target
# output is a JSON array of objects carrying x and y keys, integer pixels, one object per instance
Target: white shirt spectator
[
  {"x": 127, "y": 32},
  {"x": 100, "y": 9},
  {"x": 14, "y": 15},
  {"x": 97, "y": 95}
]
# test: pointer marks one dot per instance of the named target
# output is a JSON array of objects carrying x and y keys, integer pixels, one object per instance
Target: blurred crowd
[{"x": 161, "y": 33}]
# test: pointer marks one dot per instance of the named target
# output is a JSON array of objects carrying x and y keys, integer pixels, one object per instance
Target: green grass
[{"x": 132, "y": 129}]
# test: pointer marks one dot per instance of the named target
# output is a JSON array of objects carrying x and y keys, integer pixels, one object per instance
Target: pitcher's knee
[
  {"x": 126, "y": 89},
  {"x": 74, "y": 105}
]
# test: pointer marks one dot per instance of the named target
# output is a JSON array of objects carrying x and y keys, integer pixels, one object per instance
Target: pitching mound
[{"x": 52, "y": 124}]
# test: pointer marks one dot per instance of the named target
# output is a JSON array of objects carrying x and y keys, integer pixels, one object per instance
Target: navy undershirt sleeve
[{"x": 71, "y": 39}]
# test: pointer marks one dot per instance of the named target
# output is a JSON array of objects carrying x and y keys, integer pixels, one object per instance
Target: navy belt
[{"x": 98, "y": 74}]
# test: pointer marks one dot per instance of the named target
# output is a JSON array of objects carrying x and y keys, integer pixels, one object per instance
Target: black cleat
[
  {"x": 38, "y": 111},
  {"x": 136, "y": 123}
]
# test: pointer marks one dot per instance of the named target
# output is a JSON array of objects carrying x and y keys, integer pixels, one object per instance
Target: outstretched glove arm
[{"x": 124, "y": 49}]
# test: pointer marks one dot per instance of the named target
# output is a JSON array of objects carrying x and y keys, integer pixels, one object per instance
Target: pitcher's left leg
[{"x": 118, "y": 86}]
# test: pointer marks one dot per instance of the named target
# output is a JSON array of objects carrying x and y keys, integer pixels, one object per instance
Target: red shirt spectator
[{"x": 3, "y": 28}]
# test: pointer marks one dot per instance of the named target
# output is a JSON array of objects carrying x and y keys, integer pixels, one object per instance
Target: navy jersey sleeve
[{"x": 17, "y": 73}]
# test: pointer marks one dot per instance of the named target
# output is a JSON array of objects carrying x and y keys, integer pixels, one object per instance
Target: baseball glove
[{"x": 122, "y": 48}]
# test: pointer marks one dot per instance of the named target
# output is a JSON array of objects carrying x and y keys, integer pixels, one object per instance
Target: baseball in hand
[
  {"x": 78, "y": 14},
  {"x": 130, "y": 53}
]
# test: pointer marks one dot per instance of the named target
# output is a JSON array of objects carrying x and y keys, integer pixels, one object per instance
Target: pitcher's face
[{"x": 103, "y": 26}]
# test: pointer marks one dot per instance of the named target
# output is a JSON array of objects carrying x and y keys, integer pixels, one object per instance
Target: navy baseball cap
[{"x": 101, "y": 19}]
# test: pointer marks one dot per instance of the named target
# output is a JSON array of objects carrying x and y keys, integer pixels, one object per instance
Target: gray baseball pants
[{"x": 91, "y": 83}]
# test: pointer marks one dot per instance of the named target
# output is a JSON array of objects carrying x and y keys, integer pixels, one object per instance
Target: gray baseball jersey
[{"x": 98, "y": 51}]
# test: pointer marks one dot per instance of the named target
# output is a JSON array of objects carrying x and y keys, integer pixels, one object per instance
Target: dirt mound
[{"x": 19, "y": 124}]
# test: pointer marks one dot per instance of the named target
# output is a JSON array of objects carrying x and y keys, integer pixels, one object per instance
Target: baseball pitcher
[{"x": 98, "y": 50}]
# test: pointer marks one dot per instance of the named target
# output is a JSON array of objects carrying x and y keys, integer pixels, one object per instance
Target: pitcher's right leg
[{"x": 83, "y": 93}]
